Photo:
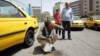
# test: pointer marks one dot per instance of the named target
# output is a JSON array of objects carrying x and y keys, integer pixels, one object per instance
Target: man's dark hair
[
  {"x": 57, "y": 10},
  {"x": 47, "y": 23}
]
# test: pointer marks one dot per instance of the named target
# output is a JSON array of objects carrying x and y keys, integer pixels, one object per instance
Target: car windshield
[
  {"x": 96, "y": 17},
  {"x": 8, "y": 10},
  {"x": 76, "y": 17},
  {"x": 3, "y": 9}
]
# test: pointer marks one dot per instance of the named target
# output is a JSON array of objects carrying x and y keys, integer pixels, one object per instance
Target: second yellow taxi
[
  {"x": 93, "y": 22},
  {"x": 77, "y": 23}
]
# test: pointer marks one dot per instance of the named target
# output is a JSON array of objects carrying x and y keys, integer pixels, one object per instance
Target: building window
[
  {"x": 97, "y": 10},
  {"x": 90, "y": 5},
  {"x": 85, "y": 8},
  {"x": 85, "y": 4},
  {"x": 85, "y": 1},
  {"x": 85, "y": 11},
  {"x": 97, "y": 2},
  {"x": 97, "y": 6}
]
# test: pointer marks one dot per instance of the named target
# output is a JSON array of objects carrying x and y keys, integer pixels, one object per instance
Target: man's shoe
[
  {"x": 63, "y": 37},
  {"x": 53, "y": 49},
  {"x": 69, "y": 38}
]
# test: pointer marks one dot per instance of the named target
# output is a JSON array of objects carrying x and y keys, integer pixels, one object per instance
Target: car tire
[
  {"x": 81, "y": 29},
  {"x": 85, "y": 25},
  {"x": 95, "y": 26},
  {"x": 29, "y": 38}
]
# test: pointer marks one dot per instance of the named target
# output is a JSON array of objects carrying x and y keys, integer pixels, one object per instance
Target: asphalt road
[{"x": 83, "y": 43}]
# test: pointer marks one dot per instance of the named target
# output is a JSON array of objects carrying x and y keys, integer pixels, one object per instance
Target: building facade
[
  {"x": 75, "y": 8},
  {"x": 59, "y": 6},
  {"x": 90, "y": 7},
  {"x": 46, "y": 15},
  {"x": 37, "y": 12}
]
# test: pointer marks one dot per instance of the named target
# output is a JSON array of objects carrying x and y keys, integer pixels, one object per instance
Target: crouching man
[{"x": 45, "y": 36}]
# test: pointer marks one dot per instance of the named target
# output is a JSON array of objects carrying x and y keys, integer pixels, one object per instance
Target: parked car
[
  {"x": 84, "y": 19},
  {"x": 77, "y": 23},
  {"x": 93, "y": 22},
  {"x": 16, "y": 26}
]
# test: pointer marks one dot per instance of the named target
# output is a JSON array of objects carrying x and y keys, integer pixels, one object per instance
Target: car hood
[
  {"x": 97, "y": 21},
  {"x": 77, "y": 21}
]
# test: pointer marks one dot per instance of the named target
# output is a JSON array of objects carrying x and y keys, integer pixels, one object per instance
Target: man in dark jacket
[{"x": 46, "y": 34}]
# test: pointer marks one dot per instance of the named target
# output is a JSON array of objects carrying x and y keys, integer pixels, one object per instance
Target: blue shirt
[{"x": 66, "y": 14}]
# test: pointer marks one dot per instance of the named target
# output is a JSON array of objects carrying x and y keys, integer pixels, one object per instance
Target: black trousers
[
  {"x": 58, "y": 30},
  {"x": 66, "y": 25}
]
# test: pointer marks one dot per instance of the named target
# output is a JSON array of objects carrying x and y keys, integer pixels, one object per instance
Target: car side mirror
[{"x": 33, "y": 16}]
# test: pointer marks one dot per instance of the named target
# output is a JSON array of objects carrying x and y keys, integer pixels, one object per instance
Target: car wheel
[
  {"x": 81, "y": 29},
  {"x": 85, "y": 25},
  {"x": 96, "y": 27},
  {"x": 29, "y": 38}
]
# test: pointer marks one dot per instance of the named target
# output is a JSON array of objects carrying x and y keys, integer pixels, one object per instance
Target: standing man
[
  {"x": 57, "y": 20},
  {"x": 66, "y": 18}
]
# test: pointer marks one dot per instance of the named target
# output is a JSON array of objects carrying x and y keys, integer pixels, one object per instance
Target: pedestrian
[
  {"x": 66, "y": 17},
  {"x": 45, "y": 35},
  {"x": 57, "y": 20}
]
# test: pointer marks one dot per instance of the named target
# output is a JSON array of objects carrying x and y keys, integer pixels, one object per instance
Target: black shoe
[
  {"x": 63, "y": 37},
  {"x": 53, "y": 49},
  {"x": 69, "y": 38},
  {"x": 59, "y": 34}
]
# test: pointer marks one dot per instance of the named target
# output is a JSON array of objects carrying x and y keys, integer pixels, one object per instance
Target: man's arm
[
  {"x": 40, "y": 32},
  {"x": 62, "y": 13},
  {"x": 71, "y": 14}
]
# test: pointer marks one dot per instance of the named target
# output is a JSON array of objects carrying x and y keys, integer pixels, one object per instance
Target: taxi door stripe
[{"x": 3, "y": 35}]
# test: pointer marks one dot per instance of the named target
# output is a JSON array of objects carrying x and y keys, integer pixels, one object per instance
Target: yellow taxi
[
  {"x": 77, "y": 23},
  {"x": 16, "y": 26},
  {"x": 93, "y": 22}
]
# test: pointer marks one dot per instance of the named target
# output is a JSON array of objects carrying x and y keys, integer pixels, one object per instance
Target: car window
[
  {"x": 96, "y": 17},
  {"x": 76, "y": 17},
  {"x": 8, "y": 10}
]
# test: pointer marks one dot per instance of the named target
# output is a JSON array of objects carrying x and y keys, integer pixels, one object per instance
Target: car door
[
  {"x": 89, "y": 22},
  {"x": 12, "y": 25}
]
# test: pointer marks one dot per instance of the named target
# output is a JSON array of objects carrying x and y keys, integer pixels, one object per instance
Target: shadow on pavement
[
  {"x": 38, "y": 50},
  {"x": 57, "y": 53},
  {"x": 62, "y": 39},
  {"x": 98, "y": 30},
  {"x": 12, "y": 50}
]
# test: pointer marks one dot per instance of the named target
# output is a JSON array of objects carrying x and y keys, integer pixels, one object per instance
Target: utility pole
[
  {"x": 29, "y": 9},
  {"x": 41, "y": 12}
]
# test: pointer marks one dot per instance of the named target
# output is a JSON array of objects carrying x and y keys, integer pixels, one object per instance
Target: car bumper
[
  {"x": 36, "y": 29},
  {"x": 77, "y": 26}
]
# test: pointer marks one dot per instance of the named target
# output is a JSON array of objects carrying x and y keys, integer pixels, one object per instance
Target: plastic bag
[{"x": 48, "y": 47}]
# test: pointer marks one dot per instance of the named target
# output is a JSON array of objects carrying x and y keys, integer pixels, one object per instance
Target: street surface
[{"x": 83, "y": 43}]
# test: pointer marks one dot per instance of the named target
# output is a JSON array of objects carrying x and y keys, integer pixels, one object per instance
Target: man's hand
[{"x": 50, "y": 40}]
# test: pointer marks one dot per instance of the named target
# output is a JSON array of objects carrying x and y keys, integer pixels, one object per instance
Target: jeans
[
  {"x": 58, "y": 30},
  {"x": 66, "y": 25}
]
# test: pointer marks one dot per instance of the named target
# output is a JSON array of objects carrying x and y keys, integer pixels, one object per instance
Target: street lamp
[{"x": 41, "y": 12}]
